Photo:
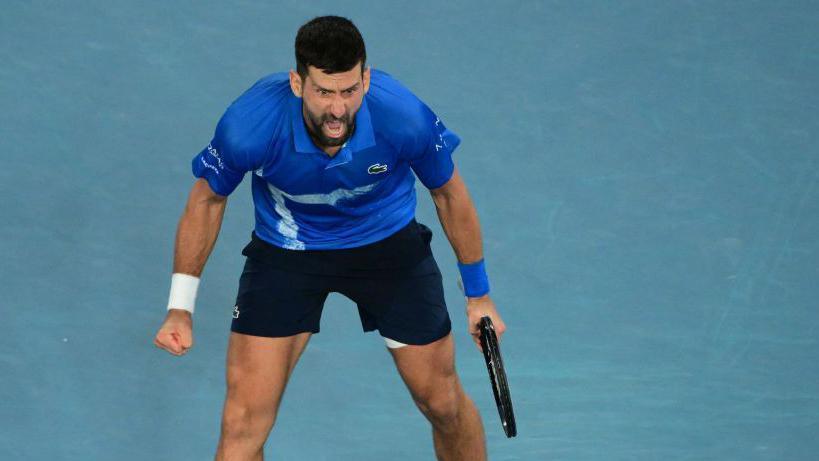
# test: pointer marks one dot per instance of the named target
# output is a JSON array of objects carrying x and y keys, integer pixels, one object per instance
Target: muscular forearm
[
  {"x": 459, "y": 219},
  {"x": 198, "y": 229},
  {"x": 460, "y": 222}
]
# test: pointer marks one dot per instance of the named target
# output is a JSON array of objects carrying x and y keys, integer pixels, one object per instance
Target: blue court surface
[{"x": 647, "y": 176}]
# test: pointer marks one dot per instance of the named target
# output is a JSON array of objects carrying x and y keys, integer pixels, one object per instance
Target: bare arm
[
  {"x": 459, "y": 219},
  {"x": 460, "y": 222},
  {"x": 198, "y": 229},
  {"x": 195, "y": 238}
]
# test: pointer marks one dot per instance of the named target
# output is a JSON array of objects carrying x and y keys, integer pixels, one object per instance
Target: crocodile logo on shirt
[{"x": 377, "y": 168}]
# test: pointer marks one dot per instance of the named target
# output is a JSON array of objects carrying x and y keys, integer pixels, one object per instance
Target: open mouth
[{"x": 334, "y": 128}]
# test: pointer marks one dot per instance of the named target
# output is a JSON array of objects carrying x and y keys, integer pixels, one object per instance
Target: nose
[{"x": 337, "y": 108}]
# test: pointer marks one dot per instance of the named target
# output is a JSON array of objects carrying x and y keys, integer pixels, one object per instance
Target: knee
[
  {"x": 242, "y": 421},
  {"x": 441, "y": 405}
]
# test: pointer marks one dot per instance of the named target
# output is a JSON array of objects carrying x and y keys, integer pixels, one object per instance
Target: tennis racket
[{"x": 497, "y": 375}]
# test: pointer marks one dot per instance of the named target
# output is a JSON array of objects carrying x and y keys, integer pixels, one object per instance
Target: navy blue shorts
[{"x": 395, "y": 282}]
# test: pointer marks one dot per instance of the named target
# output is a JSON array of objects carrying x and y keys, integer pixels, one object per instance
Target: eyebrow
[{"x": 333, "y": 91}]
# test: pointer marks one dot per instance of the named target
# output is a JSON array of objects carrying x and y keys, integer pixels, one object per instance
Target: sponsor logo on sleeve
[
  {"x": 208, "y": 165},
  {"x": 215, "y": 154},
  {"x": 441, "y": 142}
]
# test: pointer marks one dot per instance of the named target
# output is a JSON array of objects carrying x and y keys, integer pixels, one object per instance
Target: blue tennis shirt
[{"x": 305, "y": 199}]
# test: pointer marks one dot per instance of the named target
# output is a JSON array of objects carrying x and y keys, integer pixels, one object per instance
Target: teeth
[{"x": 334, "y": 127}]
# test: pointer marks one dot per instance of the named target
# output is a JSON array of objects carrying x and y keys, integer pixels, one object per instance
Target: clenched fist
[
  {"x": 176, "y": 333},
  {"x": 477, "y": 308}
]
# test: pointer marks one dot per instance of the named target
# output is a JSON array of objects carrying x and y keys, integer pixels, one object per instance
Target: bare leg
[
  {"x": 257, "y": 372},
  {"x": 429, "y": 373}
]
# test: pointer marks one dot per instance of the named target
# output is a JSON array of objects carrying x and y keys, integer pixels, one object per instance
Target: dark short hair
[{"x": 330, "y": 43}]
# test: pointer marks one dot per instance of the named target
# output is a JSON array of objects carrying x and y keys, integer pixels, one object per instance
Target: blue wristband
[{"x": 474, "y": 278}]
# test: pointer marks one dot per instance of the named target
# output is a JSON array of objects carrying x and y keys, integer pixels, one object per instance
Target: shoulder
[
  {"x": 258, "y": 114},
  {"x": 395, "y": 109}
]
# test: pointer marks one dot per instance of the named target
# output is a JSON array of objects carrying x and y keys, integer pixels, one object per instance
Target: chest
[{"x": 310, "y": 173}]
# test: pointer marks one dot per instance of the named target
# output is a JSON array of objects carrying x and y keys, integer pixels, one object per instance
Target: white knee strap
[{"x": 392, "y": 344}]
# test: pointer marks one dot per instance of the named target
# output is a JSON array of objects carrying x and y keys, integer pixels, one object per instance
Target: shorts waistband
[{"x": 400, "y": 251}]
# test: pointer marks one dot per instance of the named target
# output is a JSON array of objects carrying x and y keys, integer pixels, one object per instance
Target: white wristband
[{"x": 183, "y": 292}]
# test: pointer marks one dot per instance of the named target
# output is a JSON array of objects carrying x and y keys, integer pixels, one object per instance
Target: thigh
[
  {"x": 258, "y": 369},
  {"x": 427, "y": 369}
]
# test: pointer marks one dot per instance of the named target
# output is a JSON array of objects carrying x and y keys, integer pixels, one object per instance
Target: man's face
[{"x": 330, "y": 102}]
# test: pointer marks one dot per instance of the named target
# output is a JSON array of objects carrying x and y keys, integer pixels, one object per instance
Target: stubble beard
[{"x": 316, "y": 124}]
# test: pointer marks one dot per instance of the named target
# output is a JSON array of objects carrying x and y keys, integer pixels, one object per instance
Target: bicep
[
  {"x": 453, "y": 189},
  {"x": 202, "y": 194}
]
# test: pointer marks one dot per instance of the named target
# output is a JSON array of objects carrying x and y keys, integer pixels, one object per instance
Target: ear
[
  {"x": 296, "y": 85},
  {"x": 366, "y": 77}
]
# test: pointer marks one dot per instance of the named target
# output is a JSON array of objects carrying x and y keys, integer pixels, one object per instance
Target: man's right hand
[{"x": 176, "y": 334}]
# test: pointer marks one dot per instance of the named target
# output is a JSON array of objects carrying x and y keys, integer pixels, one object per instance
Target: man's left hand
[{"x": 481, "y": 307}]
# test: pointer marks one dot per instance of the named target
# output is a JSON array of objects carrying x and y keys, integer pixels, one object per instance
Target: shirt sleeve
[
  {"x": 224, "y": 162},
  {"x": 431, "y": 157}
]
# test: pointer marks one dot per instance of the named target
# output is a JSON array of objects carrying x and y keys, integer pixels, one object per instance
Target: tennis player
[{"x": 333, "y": 149}]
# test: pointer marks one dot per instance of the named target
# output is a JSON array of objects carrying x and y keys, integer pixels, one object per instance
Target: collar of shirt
[{"x": 363, "y": 136}]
